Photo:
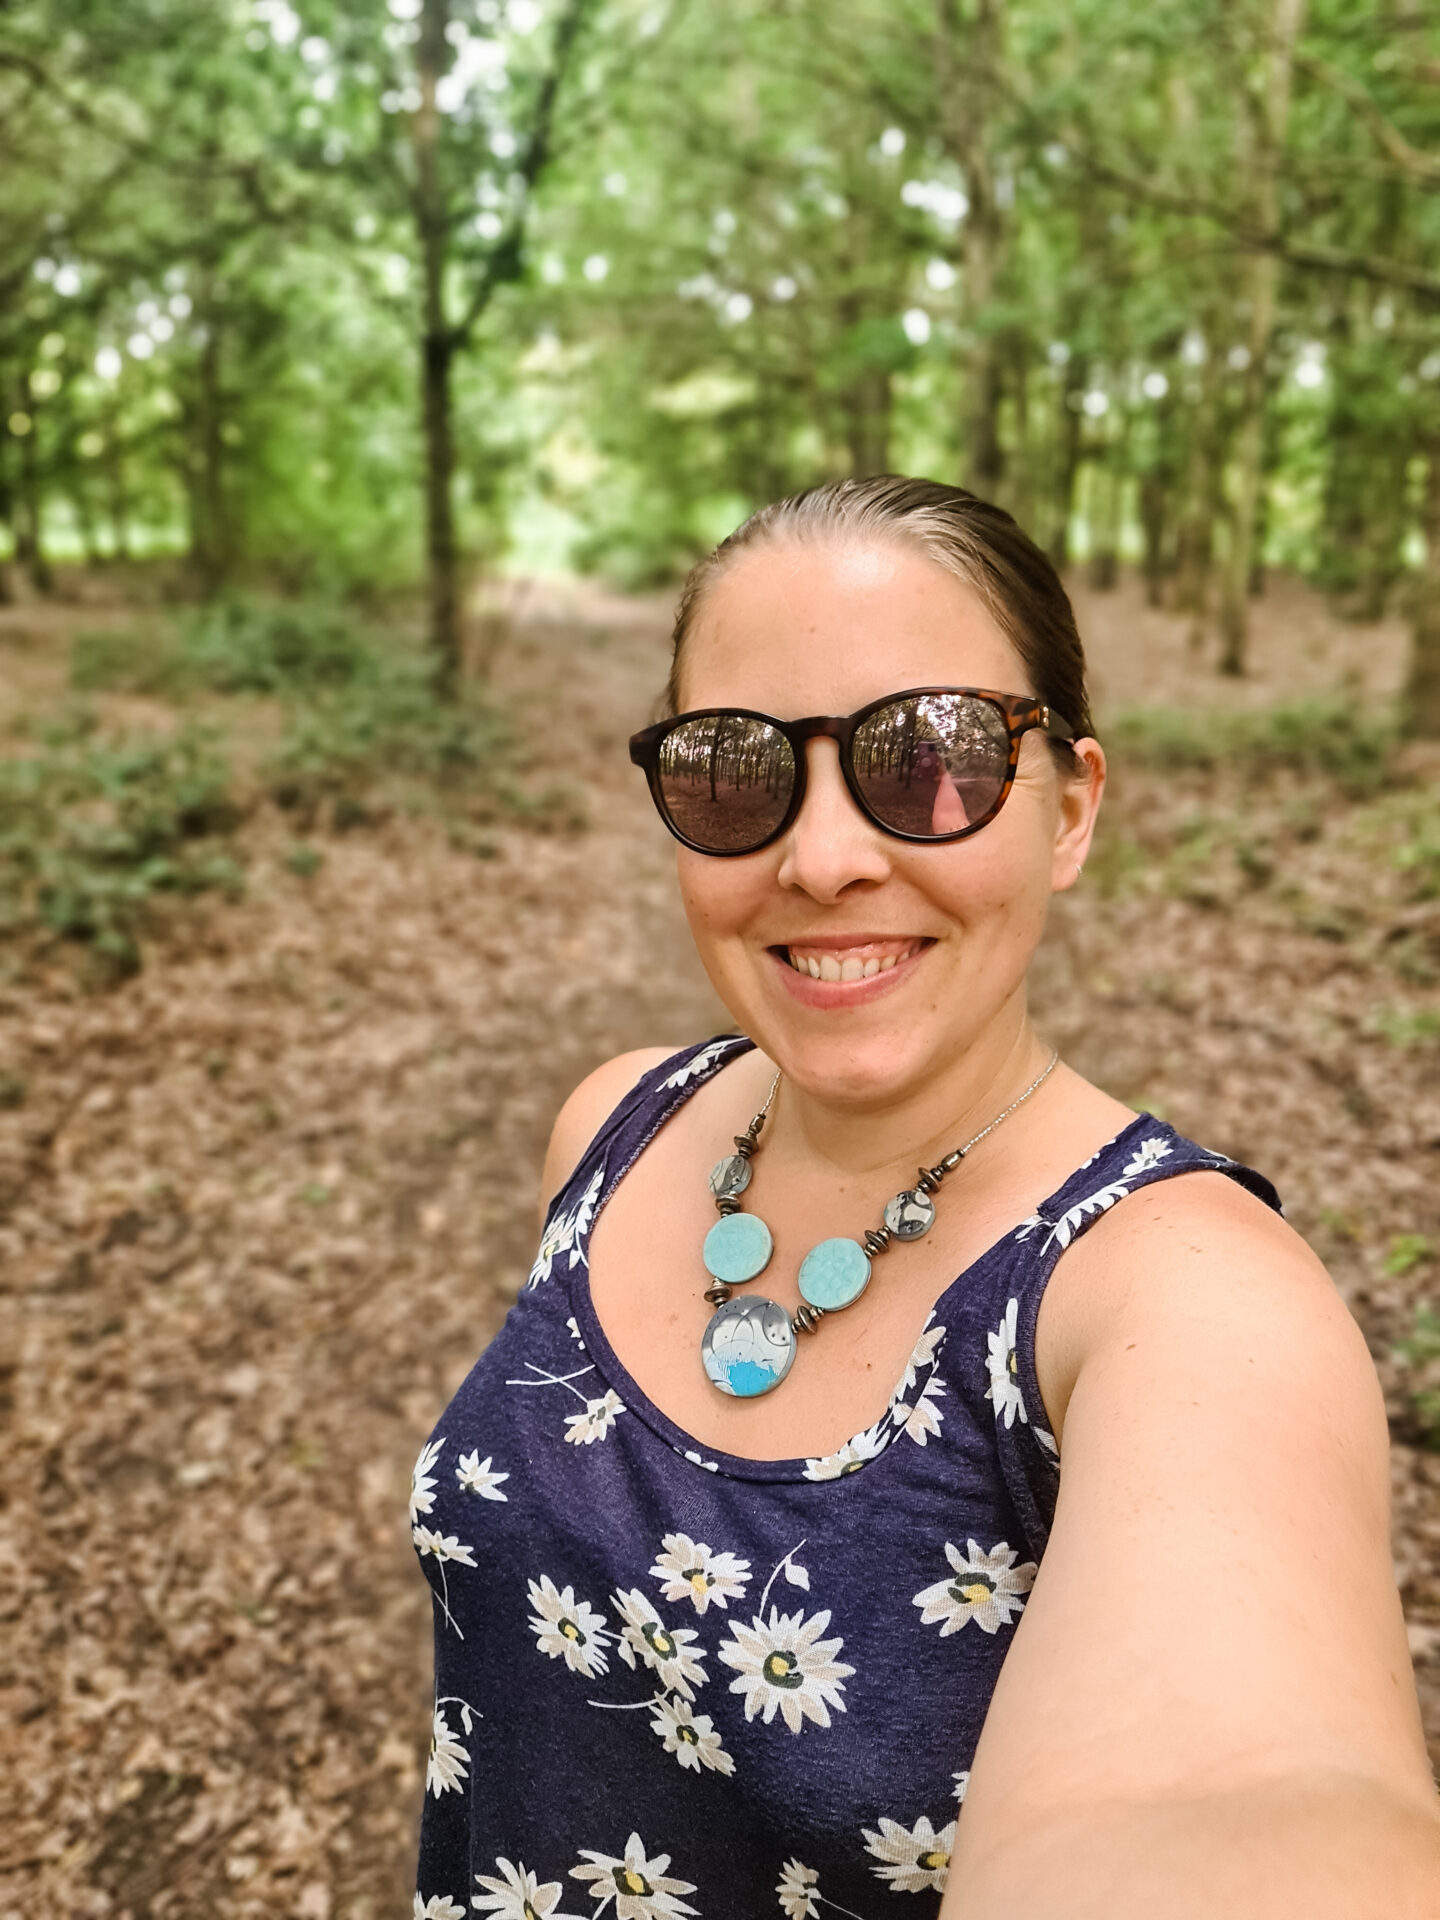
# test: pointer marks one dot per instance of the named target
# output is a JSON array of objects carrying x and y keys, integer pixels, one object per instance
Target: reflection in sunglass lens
[
  {"x": 932, "y": 764},
  {"x": 726, "y": 780}
]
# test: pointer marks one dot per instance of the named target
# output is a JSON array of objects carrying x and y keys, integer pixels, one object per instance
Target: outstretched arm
[{"x": 1209, "y": 1706}]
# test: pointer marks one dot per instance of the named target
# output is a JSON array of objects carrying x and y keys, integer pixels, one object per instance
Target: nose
[{"x": 830, "y": 846}]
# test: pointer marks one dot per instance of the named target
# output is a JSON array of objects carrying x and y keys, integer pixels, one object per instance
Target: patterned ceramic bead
[
  {"x": 748, "y": 1346},
  {"x": 910, "y": 1216},
  {"x": 737, "y": 1248},
  {"x": 730, "y": 1177},
  {"x": 834, "y": 1274}
]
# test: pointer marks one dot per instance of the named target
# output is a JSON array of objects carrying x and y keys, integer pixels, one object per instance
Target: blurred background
[{"x": 369, "y": 373}]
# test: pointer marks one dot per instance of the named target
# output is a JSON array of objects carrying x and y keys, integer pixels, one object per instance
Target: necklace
[{"x": 749, "y": 1345}]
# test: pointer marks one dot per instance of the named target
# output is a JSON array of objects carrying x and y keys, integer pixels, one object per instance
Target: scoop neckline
[{"x": 739, "y": 1466}]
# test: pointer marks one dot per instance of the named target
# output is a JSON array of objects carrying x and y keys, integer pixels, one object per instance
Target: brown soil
[{"x": 260, "y": 1207}]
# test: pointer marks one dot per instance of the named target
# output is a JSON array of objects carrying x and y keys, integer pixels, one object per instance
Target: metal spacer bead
[
  {"x": 744, "y": 1145},
  {"x": 876, "y": 1239},
  {"x": 717, "y": 1293},
  {"x": 929, "y": 1180},
  {"x": 727, "y": 1203},
  {"x": 807, "y": 1318}
]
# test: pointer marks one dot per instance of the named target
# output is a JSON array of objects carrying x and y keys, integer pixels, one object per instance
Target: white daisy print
[
  {"x": 911, "y": 1860},
  {"x": 447, "y": 1767},
  {"x": 798, "y": 1891},
  {"x": 583, "y": 1429},
  {"x": 438, "y": 1907},
  {"x": 849, "y": 1458},
  {"x": 962, "y": 1782},
  {"x": 667, "y": 1651},
  {"x": 931, "y": 1340},
  {"x": 566, "y": 1232},
  {"x": 639, "y": 1886},
  {"x": 475, "y": 1476},
  {"x": 689, "y": 1570},
  {"x": 572, "y": 1327},
  {"x": 422, "y": 1484},
  {"x": 1047, "y": 1442},
  {"x": 568, "y": 1629},
  {"x": 701, "y": 1063},
  {"x": 987, "y": 1588},
  {"x": 1004, "y": 1388},
  {"x": 785, "y": 1667},
  {"x": 443, "y": 1546},
  {"x": 517, "y": 1894},
  {"x": 1148, "y": 1154},
  {"x": 691, "y": 1737},
  {"x": 922, "y": 1421}
]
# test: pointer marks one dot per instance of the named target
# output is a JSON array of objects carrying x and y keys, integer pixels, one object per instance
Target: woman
[{"x": 754, "y": 1516}]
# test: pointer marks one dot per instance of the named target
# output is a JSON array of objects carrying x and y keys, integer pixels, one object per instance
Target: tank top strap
[
  {"x": 1146, "y": 1152},
  {"x": 623, "y": 1135}
]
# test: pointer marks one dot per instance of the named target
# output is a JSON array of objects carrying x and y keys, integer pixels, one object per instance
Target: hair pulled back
[{"x": 970, "y": 538}]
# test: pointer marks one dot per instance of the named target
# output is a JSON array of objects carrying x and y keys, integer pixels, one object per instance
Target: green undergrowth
[
  {"x": 1340, "y": 738},
  {"x": 1420, "y": 1354},
  {"x": 96, "y": 830},
  {"x": 99, "y": 825}
]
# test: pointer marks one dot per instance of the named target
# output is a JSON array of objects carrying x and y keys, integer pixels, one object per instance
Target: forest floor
[{"x": 261, "y": 1205}]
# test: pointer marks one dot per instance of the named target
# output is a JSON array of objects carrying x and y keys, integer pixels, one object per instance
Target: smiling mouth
[{"x": 859, "y": 962}]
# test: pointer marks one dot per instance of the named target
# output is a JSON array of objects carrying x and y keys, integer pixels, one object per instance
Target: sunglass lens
[
  {"x": 932, "y": 764},
  {"x": 725, "y": 781}
]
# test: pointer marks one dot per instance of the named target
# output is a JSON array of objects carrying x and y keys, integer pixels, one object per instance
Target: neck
[{"x": 918, "y": 1123}]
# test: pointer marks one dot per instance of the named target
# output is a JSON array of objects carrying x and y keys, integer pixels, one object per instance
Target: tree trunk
[
  {"x": 28, "y": 533},
  {"x": 210, "y": 548},
  {"x": 968, "y": 64},
  {"x": 1422, "y": 686},
  {"x": 437, "y": 355},
  {"x": 1269, "y": 113},
  {"x": 1071, "y": 437},
  {"x": 867, "y": 405}
]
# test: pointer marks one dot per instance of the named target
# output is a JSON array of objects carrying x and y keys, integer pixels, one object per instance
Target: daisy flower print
[
  {"x": 1004, "y": 1389},
  {"x": 912, "y": 1859},
  {"x": 568, "y": 1629},
  {"x": 438, "y": 1907},
  {"x": 583, "y": 1429},
  {"x": 422, "y": 1481},
  {"x": 691, "y": 1737},
  {"x": 987, "y": 1588},
  {"x": 689, "y": 1570},
  {"x": 447, "y": 1767},
  {"x": 798, "y": 1891},
  {"x": 785, "y": 1667},
  {"x": 670, "y": 1652},
  {"x": 513, "y": 1893},
  {"x": 639, "y": 1886},
  {"x": 475, "y": 1476}
]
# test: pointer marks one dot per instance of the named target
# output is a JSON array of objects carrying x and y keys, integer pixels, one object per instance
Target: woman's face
[{"x": 791, "y": 630}]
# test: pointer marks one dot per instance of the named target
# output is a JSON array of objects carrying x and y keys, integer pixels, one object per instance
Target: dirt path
[{"x": 261, "y": 1207}]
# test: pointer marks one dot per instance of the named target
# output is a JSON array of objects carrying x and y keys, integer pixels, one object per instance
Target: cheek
[{"x": 720, "y": 895}]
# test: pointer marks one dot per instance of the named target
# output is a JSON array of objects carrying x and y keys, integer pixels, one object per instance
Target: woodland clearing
[{"x": 263, "y": 1202}]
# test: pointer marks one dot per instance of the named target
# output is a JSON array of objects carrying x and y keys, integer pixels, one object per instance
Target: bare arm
[
  {"x": 1209, "y": 1706},
  {"x": 583, "y": 1114}
]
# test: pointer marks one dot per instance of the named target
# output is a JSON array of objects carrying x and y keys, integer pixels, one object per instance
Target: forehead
[{"x": 824, "y": 627}]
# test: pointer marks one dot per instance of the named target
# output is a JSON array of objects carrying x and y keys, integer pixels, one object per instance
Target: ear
[{"x": 1080, "y": 796}]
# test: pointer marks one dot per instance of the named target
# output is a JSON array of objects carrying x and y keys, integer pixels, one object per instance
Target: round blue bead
[
  {"x": 748, "y": 1347},
  {"x": 834, "y": 1274},
  {"x": 737, "y": 1247}
]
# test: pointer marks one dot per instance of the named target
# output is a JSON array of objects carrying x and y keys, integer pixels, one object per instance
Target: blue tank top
[{"x": 683, "y": 1682}]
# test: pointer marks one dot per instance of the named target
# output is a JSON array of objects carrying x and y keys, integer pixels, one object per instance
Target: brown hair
[{"x": 977, "y": 542}]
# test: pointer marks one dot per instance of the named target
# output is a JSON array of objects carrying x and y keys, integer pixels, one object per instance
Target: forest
[
  {"x": 371, "y": 371},
  {"x": 335, "y": 299}
]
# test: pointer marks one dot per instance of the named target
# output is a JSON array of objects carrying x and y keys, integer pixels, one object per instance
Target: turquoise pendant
[
  {"x": 748, "y": 1347},
  {"x": 834, "y": 1274},
  {"x": 737, "y": 1247}
]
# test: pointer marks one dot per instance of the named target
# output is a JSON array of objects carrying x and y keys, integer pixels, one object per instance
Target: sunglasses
[{"x": 930, "y": 764}]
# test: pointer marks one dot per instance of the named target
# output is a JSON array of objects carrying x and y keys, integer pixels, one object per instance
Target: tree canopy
[{"x": 341, "y": 292}]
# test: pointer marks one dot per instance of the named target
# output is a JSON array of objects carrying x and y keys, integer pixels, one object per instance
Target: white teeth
[
  {"x": 852, "y": 969},
  {"x": 887, "y": 963},
  {"x": 814, "y": 966},
  {"x": 829, "y": 967},
  {"x": 872, "y": 967}
]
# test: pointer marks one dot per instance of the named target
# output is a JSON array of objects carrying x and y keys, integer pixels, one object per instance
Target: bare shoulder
[
  {"x": 1196, "y": 1250},
  {"x": 583, "y": 1114}
]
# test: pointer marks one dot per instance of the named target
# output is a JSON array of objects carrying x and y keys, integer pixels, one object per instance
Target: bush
[
  {"x": 92, "y": 828},
  {"x": 1352, "y": 744},
  {"x": 236, "y": 646}
]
